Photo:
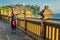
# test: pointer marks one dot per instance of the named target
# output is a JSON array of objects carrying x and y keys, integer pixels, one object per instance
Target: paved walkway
[{"x": 5, "y": 33}]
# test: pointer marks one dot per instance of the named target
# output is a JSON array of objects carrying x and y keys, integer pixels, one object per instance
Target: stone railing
[{"x": 32, "y": 27}]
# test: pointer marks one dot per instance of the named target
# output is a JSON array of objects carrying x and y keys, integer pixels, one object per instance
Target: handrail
[{"x": 54, "y": 21}]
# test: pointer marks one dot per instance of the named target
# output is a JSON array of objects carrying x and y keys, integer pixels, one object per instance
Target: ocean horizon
[{"x": 56, "y": 16}]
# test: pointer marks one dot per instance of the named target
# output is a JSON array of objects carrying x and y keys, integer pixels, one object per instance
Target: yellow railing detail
[
  {"x": 50, "y": 32},
  {"x": 53, "y": 33},
  {"x": 39, "y": 30},
  {"x": 46, "y": 31},
  {"x": 22, "y": 24},
  {"x": 33, "y": 28},
  {"x": 57, "y": 30}
]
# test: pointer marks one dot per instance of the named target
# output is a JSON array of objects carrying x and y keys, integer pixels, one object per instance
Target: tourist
[{"x": 13, "y": 21}]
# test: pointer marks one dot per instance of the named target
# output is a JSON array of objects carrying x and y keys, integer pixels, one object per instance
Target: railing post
[
  {"x": 43, "y": 30},
  {"x": 25, "y": 26},
  {"x": 25, "y": 21},
  {"x": 46, "y": 13}
]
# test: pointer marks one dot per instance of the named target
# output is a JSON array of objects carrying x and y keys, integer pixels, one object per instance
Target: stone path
[{"x": 6, "y": 33}]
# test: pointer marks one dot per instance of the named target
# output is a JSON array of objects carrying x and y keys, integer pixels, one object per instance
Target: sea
[{"x": 56, "y": 16}]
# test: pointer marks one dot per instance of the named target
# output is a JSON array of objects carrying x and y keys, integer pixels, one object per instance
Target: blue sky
[{"x": 54, "y": 5}]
